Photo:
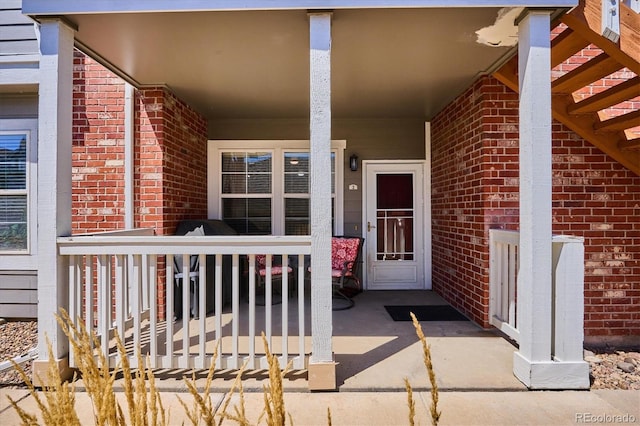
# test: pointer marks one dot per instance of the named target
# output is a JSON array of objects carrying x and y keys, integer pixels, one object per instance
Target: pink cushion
[
  {"x": 343, "y": 250},
  {"x": 275, "y": 270}
]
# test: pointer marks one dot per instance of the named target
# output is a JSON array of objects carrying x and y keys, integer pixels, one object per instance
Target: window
[
  {"x": 247, "y": 191},
  {"x": 14, "y": 202},
  {"x": 262, "y": 187}
]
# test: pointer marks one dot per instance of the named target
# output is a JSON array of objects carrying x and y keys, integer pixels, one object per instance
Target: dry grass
[
  {"x": 426, "y": 354},
  {"x": 56, "y": 402}
]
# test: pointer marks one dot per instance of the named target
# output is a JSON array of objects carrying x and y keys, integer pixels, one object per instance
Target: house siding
[
  {"x": 17, "y": 33},
  {"x": 18, "y": 100},
  {"x": 593, "y": 197},
  {"x": 369, "y": 138}
]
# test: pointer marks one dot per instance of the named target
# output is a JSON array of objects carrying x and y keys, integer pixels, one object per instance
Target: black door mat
[{"x": 425, "y": 313}]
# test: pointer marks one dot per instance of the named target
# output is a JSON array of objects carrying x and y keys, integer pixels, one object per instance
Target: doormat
[{"x": 425, "y": 313}]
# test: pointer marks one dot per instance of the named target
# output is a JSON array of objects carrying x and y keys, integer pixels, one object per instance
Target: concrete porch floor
[{"x": 375, "y": 353}]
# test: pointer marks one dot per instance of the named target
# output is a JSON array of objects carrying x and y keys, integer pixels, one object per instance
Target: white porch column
[
  {"x": 322, "y": 369},
  {"x": 54, "y": 186},
  {"x": 533, "y": 363}
]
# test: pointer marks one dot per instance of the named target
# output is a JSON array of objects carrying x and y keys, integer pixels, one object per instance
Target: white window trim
[
  {"x": 277, "y": 147},
  {"x": 25, "y": 259}
]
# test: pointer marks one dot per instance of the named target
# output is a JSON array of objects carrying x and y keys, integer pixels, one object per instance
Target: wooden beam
[
  {"x": 630, "y": 31},
  {"x": 583, "y": 126},
  {"x": 621, "y": 122},
  {"x": 508, "y": 74},
  {"x": 612, "y": 96},
  {"x": 628, "y": 58},
  {"x": 565, "y": 45},
  {"x": 597, "y": 68},
  {"x": 629, "y": 144}
]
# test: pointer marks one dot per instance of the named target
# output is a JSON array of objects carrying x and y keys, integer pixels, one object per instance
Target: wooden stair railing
[{"x": 590, "y": 117}]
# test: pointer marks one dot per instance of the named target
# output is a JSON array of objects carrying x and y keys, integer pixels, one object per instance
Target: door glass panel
[{"x": 395, "y": 217}]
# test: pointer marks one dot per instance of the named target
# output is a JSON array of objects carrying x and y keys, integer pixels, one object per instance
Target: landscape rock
[{"x": 626, "y": 367}]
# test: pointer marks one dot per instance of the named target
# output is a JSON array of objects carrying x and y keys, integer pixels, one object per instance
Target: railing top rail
[
  {"x": 121, "y": 233},
  {"x": 504, "y": 236},
  {"x": 173, "y": 244}
]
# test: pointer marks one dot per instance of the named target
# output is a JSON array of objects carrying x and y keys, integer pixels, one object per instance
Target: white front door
[{"x": 394, "y": 209}]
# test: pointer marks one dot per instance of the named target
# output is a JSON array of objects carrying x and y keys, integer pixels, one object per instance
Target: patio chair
[
  {"x": 276, "y": 274},
  {"x": 345, "y": 264},
  {"x": 193, "y": 275}
]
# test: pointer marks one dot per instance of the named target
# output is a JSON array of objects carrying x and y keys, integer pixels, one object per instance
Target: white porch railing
[
  {"x": 567, "y": 290},
  {"x": 122, "y": 272},
  {"x": 503, "y": 270}
]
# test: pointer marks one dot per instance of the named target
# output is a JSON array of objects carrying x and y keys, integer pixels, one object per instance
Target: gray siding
[
  {"x": 370, "y": 139},
  {"x": 18, "y": 294},
  {"x": 17, "y": 33},
  {"x": 18, "y": 105}
]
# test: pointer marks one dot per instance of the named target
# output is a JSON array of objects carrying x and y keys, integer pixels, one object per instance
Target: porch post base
[
  {"x": 322, "y": 376},
  {"x": 551, "y": 374},
  {"x": 40, "y": 371}
]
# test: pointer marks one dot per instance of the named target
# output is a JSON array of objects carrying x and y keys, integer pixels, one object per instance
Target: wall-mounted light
[{"x": 353, "y": 163}]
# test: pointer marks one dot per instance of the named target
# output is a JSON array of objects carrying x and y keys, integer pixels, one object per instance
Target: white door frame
[{"x": 425, "y": 223}]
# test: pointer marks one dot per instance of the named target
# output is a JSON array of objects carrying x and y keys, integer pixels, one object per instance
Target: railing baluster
[
  {"x": 285, "y": 310},
  {"x": 88, "y": 291},
  {"x": 218, "y": 310},
  {"x": 235, "y": 309},
  {"x": 169, "y": 313},
  {"x": 136, "y": 304},
  {"x": 202, "y": 309},
  {"x": 104, "y": 302},
  {"x": 511, "y": 291},
  {"x": 121, "y": 290},
  {"x": 299, "y": 362},
  {"x": 252, "y": 312},
  {"x": 152, "y": 280},
  {"x": 267, "y": 301},
  {"x": 75, "y": 290},
  {"x": 186, "y": 309},
  {"x": 504, "y": 282}
]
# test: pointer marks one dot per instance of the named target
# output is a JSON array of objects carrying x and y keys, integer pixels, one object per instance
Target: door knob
[{"x": 369, "y": 226}]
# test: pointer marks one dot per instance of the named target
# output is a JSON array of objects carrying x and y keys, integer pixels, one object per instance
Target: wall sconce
[{"x": 353, "y": 163}]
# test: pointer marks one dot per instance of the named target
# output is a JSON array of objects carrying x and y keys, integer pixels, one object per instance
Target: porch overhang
[{"x": 393, "y": 59}]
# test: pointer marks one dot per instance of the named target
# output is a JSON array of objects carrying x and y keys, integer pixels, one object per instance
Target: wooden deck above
[{"x": 585, "y": 97}]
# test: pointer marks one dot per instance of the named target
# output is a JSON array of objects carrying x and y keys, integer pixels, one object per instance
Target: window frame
[
  {"x": 24, "y": 259},
  {"x": 278, "y": 148}
]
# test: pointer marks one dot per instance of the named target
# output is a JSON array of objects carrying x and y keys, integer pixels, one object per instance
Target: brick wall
[
  {"x": 170, "y": 154},
  {"x": 171, "y": 164},
  {"x": 460, "y": 257},
  {"x": 475, "y": 188},
  {"x": 98, "y": 148}
]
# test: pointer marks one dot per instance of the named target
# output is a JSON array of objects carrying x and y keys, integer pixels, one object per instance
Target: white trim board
[{"x": 70, "y": 7}]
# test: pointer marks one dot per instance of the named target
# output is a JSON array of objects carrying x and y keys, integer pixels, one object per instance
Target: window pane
[
  {"x": 234, "y": 184},
  {"x": 246, "y": 173},
  {"x": 248, "y": 215},
  {"x": 234, "y": 162},
  {"x": 259, "y": 183},
  {"x": 296, "y": 183},
  {"x": 13, "y": 161},
  {"x": 13, "y": 222},
  {"x": 296, "y": 221},
  {"x": 259, "y": 162},
  {"x": 296, "y": 172}
]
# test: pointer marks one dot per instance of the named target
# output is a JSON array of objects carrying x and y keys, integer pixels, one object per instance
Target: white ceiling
[{"x": 255, "y": 64}]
